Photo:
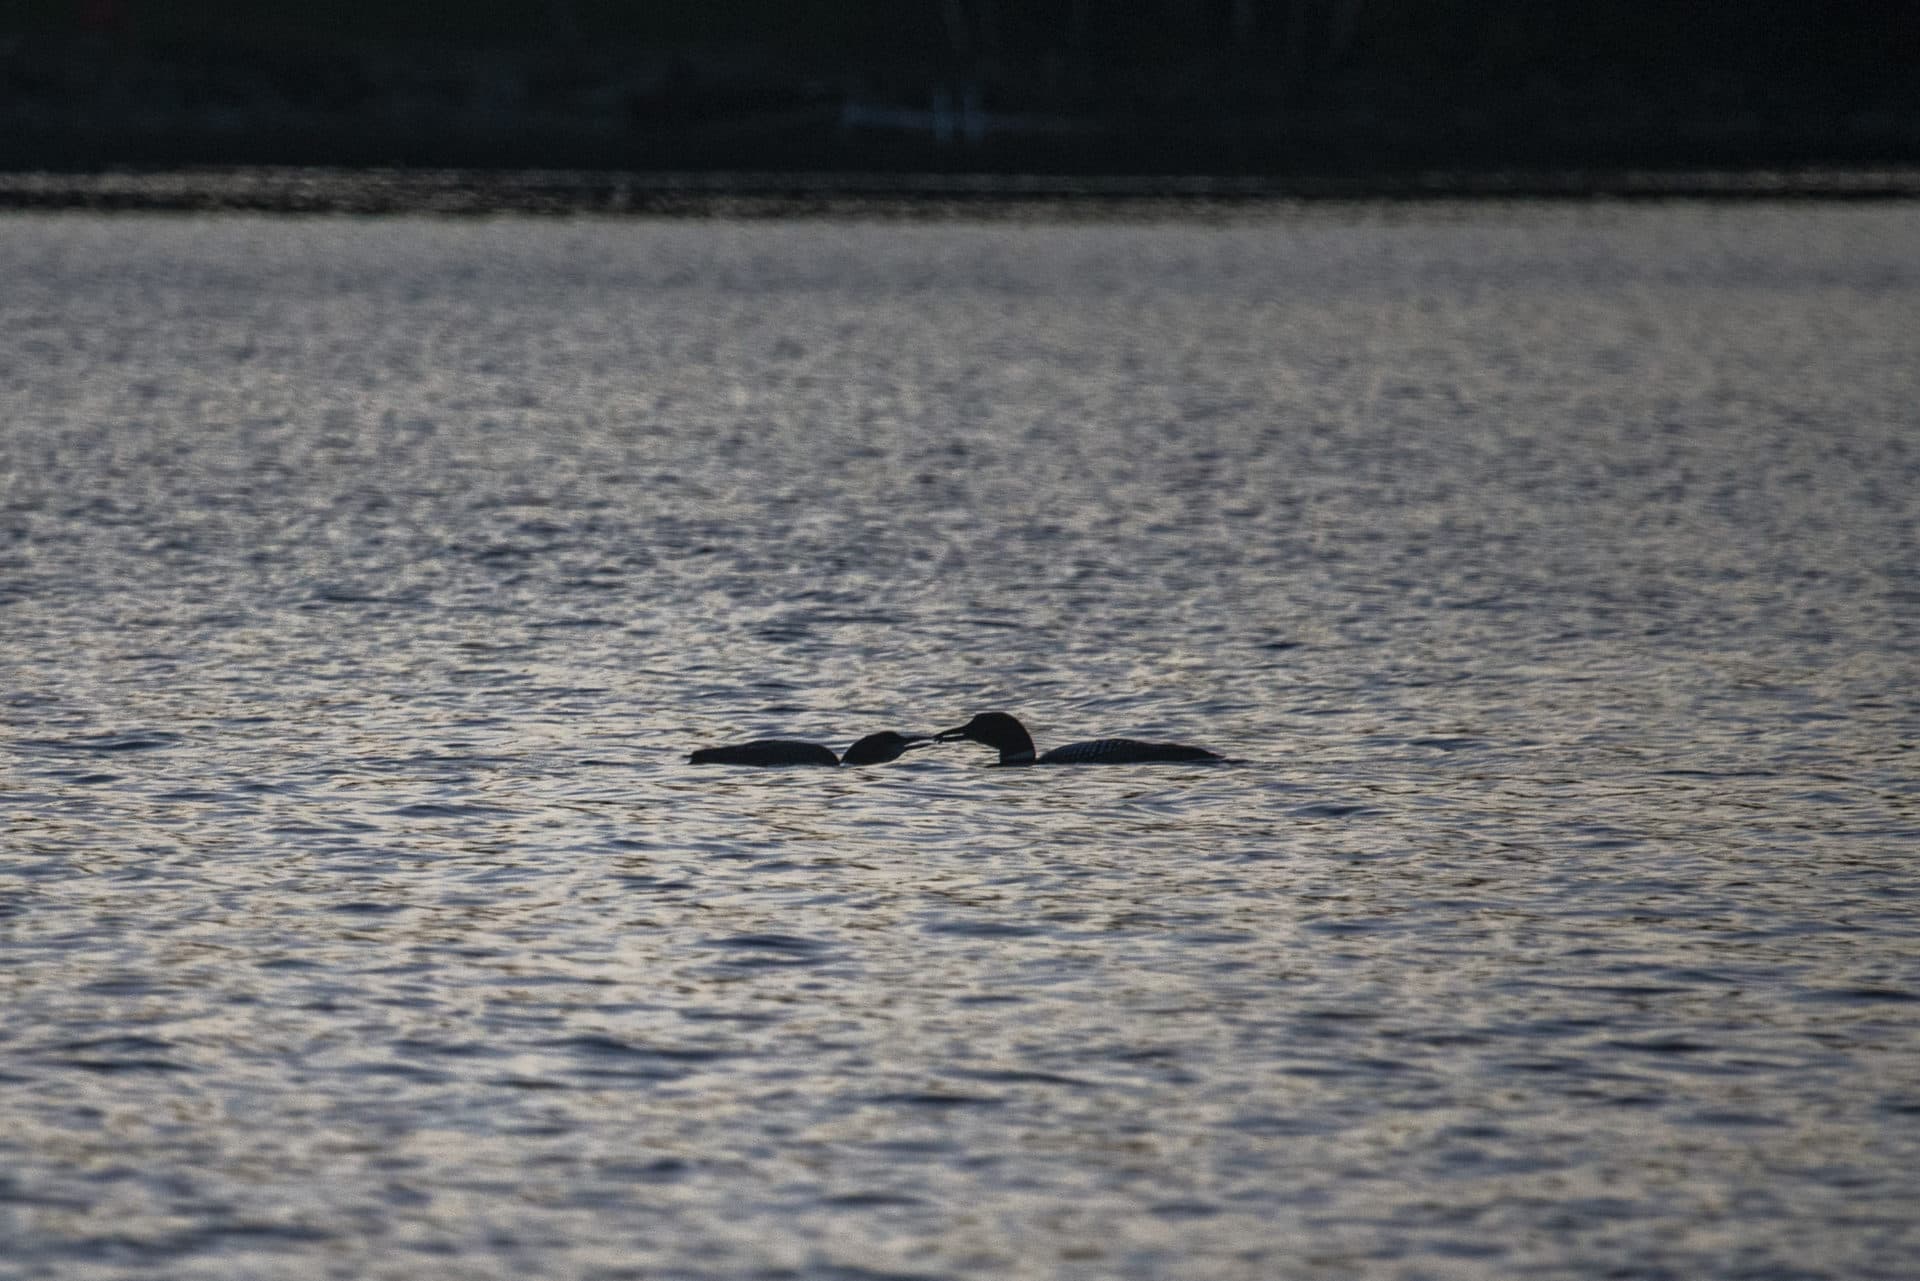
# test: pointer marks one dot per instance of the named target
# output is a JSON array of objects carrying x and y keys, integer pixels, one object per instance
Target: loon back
[
  {"x": 1124, "y": 751},
  {"x": 765, "y": 751},
  {"x": 874, "y": 749},
  {"x": 1004, "y": 732}
]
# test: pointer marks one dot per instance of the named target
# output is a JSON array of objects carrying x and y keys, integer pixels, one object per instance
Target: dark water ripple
[{"x": 1549, "y": 574}]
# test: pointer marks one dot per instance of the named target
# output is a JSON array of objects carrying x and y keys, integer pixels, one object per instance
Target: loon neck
[{"x": 997, "y": 729}]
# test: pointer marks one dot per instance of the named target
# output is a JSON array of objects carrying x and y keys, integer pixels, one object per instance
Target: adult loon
[
  {"x": 874, "y": 749},
  {"x": 997, "y": 729}
]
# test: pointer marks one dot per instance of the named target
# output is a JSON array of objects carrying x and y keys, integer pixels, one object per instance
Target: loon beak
[
  {"x": 917, "y": 740},
  {"x": 951, "y": 735}
]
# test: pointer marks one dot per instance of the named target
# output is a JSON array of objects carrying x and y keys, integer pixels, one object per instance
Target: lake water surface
[{"x": 1552, "y": 574}]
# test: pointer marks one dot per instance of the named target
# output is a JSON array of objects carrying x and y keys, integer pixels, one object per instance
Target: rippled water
[{"x": 1550, "y": 572}]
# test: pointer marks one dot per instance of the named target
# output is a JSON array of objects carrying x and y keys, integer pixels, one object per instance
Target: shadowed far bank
[
  {"x": 1306, "y": 97},
  {"x": 888, "y": 196}
]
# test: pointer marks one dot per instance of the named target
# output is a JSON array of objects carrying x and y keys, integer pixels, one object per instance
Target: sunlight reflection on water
[{"x": 1549, "y": 574}]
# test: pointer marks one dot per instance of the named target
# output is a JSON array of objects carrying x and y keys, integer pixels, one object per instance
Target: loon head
[
  {"x": 877, "y": 749},
  {"x": 997, "y": 730}
]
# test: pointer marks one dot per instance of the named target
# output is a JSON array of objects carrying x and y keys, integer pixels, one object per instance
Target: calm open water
[{"x": 1552, "y": 573}]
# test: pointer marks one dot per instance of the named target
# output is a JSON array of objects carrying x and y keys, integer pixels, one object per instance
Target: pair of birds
[{"x": 995, "y": 729}]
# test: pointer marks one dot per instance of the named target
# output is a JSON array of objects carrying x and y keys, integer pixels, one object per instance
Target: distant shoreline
[{"x": 334, "y": 190}]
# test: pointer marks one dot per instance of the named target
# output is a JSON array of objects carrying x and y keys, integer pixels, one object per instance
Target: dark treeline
[
  {"x": 1228, "y": 85},
  {"x": 1441, "y": 39}
]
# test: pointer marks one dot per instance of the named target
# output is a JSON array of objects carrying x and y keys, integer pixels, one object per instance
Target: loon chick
[
  {"x": 997, "y": 729},
  {"x": 874, "y": 749}
]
